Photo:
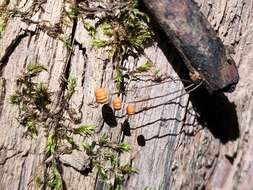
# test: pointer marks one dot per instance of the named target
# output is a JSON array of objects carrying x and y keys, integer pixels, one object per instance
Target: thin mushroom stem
[
  {"x": 147, "y": 99},
  {"x": 181, "y": 95},
  {"x": 151, "y": 85}
]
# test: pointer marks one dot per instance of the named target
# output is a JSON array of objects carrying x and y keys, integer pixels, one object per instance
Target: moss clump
[
  {"x": 126, "y": 32},
  {"x": 37, "y": 111}
]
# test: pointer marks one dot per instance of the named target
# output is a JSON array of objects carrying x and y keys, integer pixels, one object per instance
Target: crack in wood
[
  {"x": 67, "y": 66},
  {"x": 83, "y": 50},
  {"x": 10, "y": 157},
  {"x": 103, "y": 73},
  {"x": 2, "y": 93},
  {"x": 11, "y": 48},
  {"x": 63, "y": 86}
]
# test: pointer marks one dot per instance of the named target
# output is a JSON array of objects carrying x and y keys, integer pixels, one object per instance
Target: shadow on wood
[
  {"x": 125, "y": 126},
  {"x": 109, "y": 116},
  {"x": 216, "y": 112},
  {"x": 141, "y": 140}
]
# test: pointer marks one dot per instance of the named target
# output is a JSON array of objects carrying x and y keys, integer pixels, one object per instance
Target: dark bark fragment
[{"x": 201, "y": 49}]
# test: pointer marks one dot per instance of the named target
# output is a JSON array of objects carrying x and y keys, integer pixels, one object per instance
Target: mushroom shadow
[
  {"x": 109, "y": 116},
  {"x": 125, "y": 126},
  {"x": 141, "y": 140}
]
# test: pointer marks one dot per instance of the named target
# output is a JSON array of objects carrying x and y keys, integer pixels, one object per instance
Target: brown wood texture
[{"x": 192, "y": 142}]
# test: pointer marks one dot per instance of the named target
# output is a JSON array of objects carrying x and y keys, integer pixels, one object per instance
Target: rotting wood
[{"x": 178, "y": 152}]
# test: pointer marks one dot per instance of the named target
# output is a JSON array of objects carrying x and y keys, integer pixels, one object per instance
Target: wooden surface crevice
[{"x": 11, "y": 48}]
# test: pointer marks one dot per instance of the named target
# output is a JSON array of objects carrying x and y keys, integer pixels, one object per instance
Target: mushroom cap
[
  {"x": 101, "y": 95},
  {"x": 130, "y": 109},
  {"x": 116, "y": 103}
]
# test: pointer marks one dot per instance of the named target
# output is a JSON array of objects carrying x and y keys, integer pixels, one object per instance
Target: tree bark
[{"x": 194, "y": 141}]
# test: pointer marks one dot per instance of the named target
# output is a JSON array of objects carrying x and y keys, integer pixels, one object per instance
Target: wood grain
[{"x": 192, "y": 142}]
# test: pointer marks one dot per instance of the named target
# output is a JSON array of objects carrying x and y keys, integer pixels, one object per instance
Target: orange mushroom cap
[
  {"x": 116, "y": 103},
  {"x": 130, "y": 109},
  {"x": 101, "y": 95}
]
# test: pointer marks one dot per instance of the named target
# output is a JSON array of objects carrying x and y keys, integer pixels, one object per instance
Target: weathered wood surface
[{"x": 181, "y": 151}]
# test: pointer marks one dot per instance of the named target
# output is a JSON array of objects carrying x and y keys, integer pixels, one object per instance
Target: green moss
[
  {"x": 145, "y": 67},
  {"x": 91, "y": 29},
  {"x": 4, "y": 16},
  {"x": 125, "y": 31},
  {"x": 35, "y": 111},
  {"x": 55, "y": 181},
  {"x": 119, "y": 79},
  {"x": 73, "y": 12}
]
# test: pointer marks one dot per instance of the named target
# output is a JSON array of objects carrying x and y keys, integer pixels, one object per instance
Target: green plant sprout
[
  {"x": 119, "y": 79},
  {"x": 91, "y": 29},
  {"x": 73, "y": 12},
  {"x": 70, "y": 87},
  {"x": 145, "y": 67}
]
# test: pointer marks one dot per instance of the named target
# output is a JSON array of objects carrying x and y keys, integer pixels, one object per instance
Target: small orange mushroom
[
  {"x": 116, "y": 103},
  {"x": 130, "y": 109},
  {"x": 101, "y": 95}
]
